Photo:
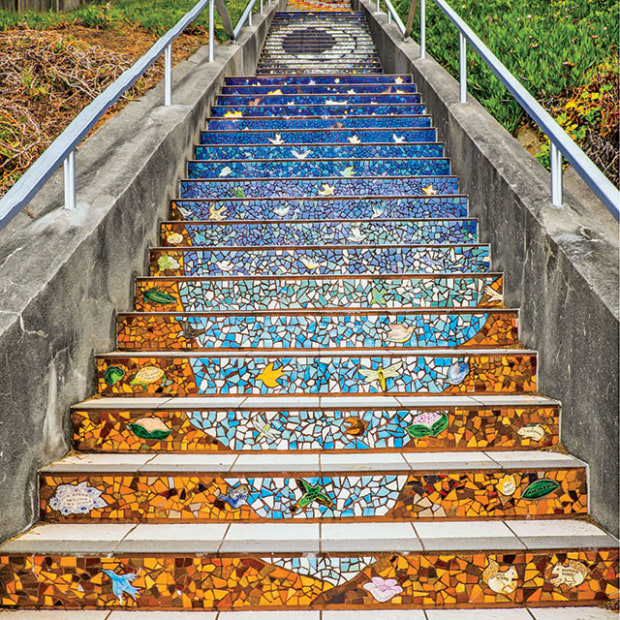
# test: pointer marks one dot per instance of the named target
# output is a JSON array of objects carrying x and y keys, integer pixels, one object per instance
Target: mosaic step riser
[
  {"x": 193, "y": 332},
  {"x": 317, "y": 151},
  {"x": 321, "y": 89},
  {"x": 338, "y": 110},
  {"x": 319, "y": 138},
  {"x": 306, "y": 51},
  {"x": 355, "y": 208},
  {"x": 323, "y": 232},
  {"x": 379, "y": 581},
  {"x": 320, "y": 260},
  {"x": 311, "y": 430},
  {"x": 300, "y": 167},
  {"x": 321, "y": 187},
  {"x": 169, "y": 497},
  {"x": 329, "y": 80},
  {"x": 191, "y": 374},
  {"x": 316, "y": 99},
  {"x": 325, "y": 67},
  {"x": 284, "y": 293},
  {"x": 392, "y": 123}
]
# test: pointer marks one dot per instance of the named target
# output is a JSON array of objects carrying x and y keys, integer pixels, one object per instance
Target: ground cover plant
[
  {"x": 565, "y": 52},
  {"x": 52, "y": 65}
]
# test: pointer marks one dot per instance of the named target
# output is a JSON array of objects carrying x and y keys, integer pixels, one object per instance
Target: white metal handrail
[
  {"x": 62, "y": 150},
  {"x": 561, "y": 142}
]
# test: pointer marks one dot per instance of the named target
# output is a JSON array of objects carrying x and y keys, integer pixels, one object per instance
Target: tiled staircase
[{"x": 319, "y": 401}]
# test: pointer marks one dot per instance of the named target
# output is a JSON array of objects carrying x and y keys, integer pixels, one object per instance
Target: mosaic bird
[
  {"x": 398, "y": 139},
  {"x": 492, "y": 294},
  {"x": 327, "y": 190},
  {"x": 234, "y": 497},
  {"x": 282, "y": 210},
  {"x": 217, "y": 214},
  {"x": 348, "y": 172},
  {"x": 121, "y": 584},
  {"x": 183, "y": 212},
  {"x": 355, "y": 426},
  {"x": 334, "y": 102},
  {"x": 378, "y": 296},
  {"x": 269, "y": 376},
  {"x": 311, "y": 493},
  {"x": 354, "y": 140},
  {"x": 351, "y": 91},
  {"x": 457, "y": 372},
  {"x": 381, "y": 374},
  {"x": 400, "y": 333},
  {"x": 310, "y": 263},
  {"x": 225, "y": 171},
  {"x": 189, "y": 331},
  {"x": 377, "y": 212},
  {"x": 298, "y": 155},
  {"x": 277, "y": 141}
]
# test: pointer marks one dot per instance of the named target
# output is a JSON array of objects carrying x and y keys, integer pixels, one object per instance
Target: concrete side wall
[
  {"x": 63, "y": 275},
  {"x": 561, "y": 265}
]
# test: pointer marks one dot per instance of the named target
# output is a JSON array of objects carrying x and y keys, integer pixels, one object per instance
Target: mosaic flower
[
  {"x": 113, "y": 374},
  {"x": 166, "y": 262},
  {"x": 572, "y": 575},
  {"x": 174, "y": 238},
  {"x": 383, "y": 590},
  {"x": 149, "y": 428},
  {"x": 457, "y": 372},
  {"x": 501, "y": 582},
  {"x": 428, "y": 424},
  {"x": 507, "y": 485},
  {"x": 76, "y": 499},
  {"x": 429, "y": 190},
  {"x": 217, "y": 214},
  {"x": 400, "y": 333}
]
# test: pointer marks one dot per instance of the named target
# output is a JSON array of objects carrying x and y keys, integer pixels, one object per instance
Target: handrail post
[
  {"x": 250, "y": 18},
  {"x": 261, "y": 6},
  {"x": 389, "y": 16},
  {"x": 168, "y": 74},
  {"x": 378, "y": 8},
  {"x": 463, "y": 66},
  {"x": 211, "y": 29},
  {"x": 422, "y": 28},
  {"x": 556, "y": 175},
  {"x": 69, "y": 169}
]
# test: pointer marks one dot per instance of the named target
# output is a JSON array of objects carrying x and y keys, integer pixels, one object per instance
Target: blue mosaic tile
[
  {"x": 287, "y": 111},
  {"x": 301, "y": 167},
  {"x": 345, "y": 122},
  {"x": 374, "y": 233},
  {"x": 202, "y": 295},
  {"x": 358, "y": 89},
  {"x": 326, "y": 208},
  {"x": 310, "y": 188},
  {"x": 319, "y": 79},
  {"x": 335, "y": 136},
  {"x": 317, "y": 151},
  {"x": 341, "y": 100},
  {"x": 331, "y": 260}
]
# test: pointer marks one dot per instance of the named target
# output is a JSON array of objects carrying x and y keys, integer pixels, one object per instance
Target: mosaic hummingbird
[{"x": 121, "y": 584}]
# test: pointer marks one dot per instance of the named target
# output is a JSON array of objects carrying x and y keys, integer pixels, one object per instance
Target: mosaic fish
[
  {"x": 189, "y": 331},
  {"x": 381, "y": 374},
  {"x": 501, "y": 582},
  {"x": 572, "y": 575},
  {"x": 234, "y": 497},
  {"x": 149, "y": 428},
  {"x": 147, "y": 375},
  {"x": 428, "y": 424},
  {"x": 532, "y": 431},
  {"x": 400, "y": 333},
  {"x": 113, "y": 374},
  {"x": 354, "y": 426},
  {"x": 76, "y": 499},
  {"x": 311, "y": 493},
  {"x": 121, "y": 584},
  {"x": 167, "y": 262},
  {"x": 457, "y": 372},
  {"x": 277, "y": 141},
  {"x": 269, "y": 376}
]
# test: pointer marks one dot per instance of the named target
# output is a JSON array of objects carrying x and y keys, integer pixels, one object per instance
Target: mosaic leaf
[
  {"x": 540, "y": 489},
  {"x": 428, "y": 424}
]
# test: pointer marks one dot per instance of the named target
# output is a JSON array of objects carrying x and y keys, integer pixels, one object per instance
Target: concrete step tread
[
  {"x": 313, "y": 463},
  {"x": 514, "y": 613},
  {"x": 367, "y": 402},
  {"x": 277, "y": 538}
]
